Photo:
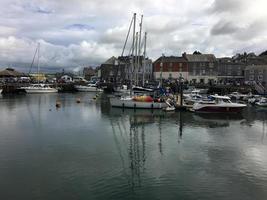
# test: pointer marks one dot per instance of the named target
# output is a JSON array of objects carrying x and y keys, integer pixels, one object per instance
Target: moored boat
[
  {"x": 39, "y": 88},
  {"x": 87, "y": 88},
  {"x": 218, "y": 104},
  {"x": 262, "y": 102},
  {"x": 136, "y": 103}
]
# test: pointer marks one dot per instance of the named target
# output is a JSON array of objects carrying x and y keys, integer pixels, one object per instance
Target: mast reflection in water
[{"x": 91, "y": 151}]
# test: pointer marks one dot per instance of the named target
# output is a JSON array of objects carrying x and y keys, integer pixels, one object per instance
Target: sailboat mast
[
  {"x": 135, "y": 68},
  {"x": 144, "y": 61},
  {"x": 139, "y": 49},
  {"x": 38, "y": 57},
  {"x": 132, "y": 57}
]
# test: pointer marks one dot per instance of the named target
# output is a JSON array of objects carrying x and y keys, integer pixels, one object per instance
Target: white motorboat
[
  {"x": 133, "y": 102},
  {"x": 88, "y": 88},
  {"x": 193, "y": 97},
  {"x": 218, "y": 104},
  {"x": 238, "y": 96},
  {"x": 262, "y": 102},
  {"x": 39, "y": 88}
]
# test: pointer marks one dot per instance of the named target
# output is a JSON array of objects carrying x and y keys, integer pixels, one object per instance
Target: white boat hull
[
  {"x": 129, "y": 103},
  {"x": 37, "y": 91},
  {"x": 218, "y": 108},
  {"x": 87, "y": 89}
]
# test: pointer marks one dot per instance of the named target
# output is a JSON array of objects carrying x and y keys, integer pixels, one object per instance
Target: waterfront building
[
  {"x": 112, "y": 70},
  {"x": 170, "y": 67},
  {"x": 202, "y": 68},
  {"x": 230, "y": 71},
  {"x": 88, "y": 72},
  {"x": 121, "y": 69},
  {"x": 257, "y": 75},
  {"x": 10, "y": 75}
]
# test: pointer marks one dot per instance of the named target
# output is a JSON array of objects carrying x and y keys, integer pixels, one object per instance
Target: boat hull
[
  {"x": 129, "y": 103},
  {"x": 1, "y": 90},
  {"x": 39, "y": 91},
  {"x": 218, "y": 109}
]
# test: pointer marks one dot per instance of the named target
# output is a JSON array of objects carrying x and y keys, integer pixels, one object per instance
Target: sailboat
[
  {"x": 134, "y": 101},
  {"x": 39, "y": 87}
]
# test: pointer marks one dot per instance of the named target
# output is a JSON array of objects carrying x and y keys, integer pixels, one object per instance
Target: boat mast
[
  {"x": 135, "y": 66},
  {"x": 139, "y": 49},
  {"x": 132, "y": 58},
  {"x": 38, "y": 67},
  {"x": 144, "y": 61}
]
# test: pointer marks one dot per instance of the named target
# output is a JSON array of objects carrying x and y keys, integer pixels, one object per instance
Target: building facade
[
  {"x": 256, "y": 74},
  {"x": 230, "y": 71},
  {"x": 202, "y": 68},
  {"x": 170, "y": 67}
]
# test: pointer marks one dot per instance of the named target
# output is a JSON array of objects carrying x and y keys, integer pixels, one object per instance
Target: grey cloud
[
  {"x": 224, "y": 28},
  {"x": 222, "y": 6}
]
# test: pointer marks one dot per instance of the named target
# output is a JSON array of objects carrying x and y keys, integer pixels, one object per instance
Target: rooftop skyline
[{"x": 87, "y": 32}]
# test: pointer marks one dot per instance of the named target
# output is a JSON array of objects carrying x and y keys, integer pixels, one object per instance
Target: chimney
[{"x": 184, "y": 55}]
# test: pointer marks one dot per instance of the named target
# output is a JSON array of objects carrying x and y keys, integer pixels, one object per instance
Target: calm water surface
[{"x": 92, "y": 151}]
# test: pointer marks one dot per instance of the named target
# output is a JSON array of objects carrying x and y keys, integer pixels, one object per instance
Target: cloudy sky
[{"x": 77, "y": 33}]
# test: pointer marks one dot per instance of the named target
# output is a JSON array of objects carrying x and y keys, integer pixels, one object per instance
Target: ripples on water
[{"x": 92, "y": 151}]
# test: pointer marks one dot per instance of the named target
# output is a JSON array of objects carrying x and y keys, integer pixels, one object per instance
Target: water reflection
[{"x": 109, "y": 153}]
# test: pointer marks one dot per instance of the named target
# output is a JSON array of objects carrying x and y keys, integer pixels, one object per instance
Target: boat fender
[
  {"x": 152, "y": 106},
  {"x": 123, "y": 105},
  {"x": 134, "y": 106}
]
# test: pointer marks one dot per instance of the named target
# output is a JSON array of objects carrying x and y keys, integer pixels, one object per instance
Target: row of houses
[{"x": 194, "y": 68}]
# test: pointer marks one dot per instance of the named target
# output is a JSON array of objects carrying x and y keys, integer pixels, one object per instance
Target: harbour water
[{"x": 90, "y": 151}]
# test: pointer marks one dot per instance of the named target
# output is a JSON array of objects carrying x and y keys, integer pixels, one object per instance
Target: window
[
  {"x": 170, "y": 67},
  {"x": 211, "y": 65},
  {"x": 260, "y": 77},
  {"x": 260, "y": 71},
  {"x": 251, "y": 77}
]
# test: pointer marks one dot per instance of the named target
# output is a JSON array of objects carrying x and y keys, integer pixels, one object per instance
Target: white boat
[
  {"x": 238, "y": 96},
  {"x": 1, "y": 90},
  {"x": 129, "y": 102},
  {"x": 218, "y": 104},
  {"x": 39, "y": 88},
  {"x": 193, "y": 97},
  {"x": 262, "y": 102},
  {"x": 87, "y": 88}
]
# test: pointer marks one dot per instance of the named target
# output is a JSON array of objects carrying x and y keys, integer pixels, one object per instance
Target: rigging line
[
  {"x": 33, "y": 58},
  {"x": 125, "y": 43}
]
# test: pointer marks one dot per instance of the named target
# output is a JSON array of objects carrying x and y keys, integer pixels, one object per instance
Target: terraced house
[
  {"x": 202, "y": 68},
  {"x": 170, "y": 67}
]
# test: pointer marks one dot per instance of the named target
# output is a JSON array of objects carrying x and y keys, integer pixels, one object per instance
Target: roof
[
  {"x": 172, "y": 59},
  {"x": 110, "y": 61},
  {"x": 200, "y": 57},
  {"x": 256, "y": 67},
  {"x": 9, "y": 72}
]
